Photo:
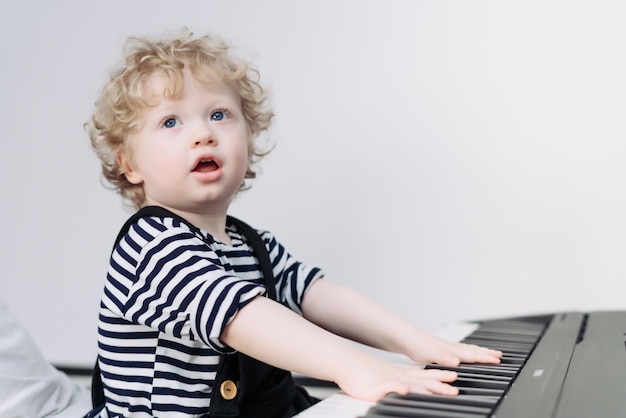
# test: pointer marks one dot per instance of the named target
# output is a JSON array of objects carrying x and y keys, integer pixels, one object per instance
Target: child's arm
[
  {"x": 348, "y": 313},
  {"x": 272, "y": 333}
]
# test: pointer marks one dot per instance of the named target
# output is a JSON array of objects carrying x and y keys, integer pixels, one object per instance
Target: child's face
[{"x": 191, "y": 153}]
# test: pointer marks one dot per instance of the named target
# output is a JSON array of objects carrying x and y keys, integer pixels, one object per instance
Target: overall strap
[
  {"x": 254, "y": 240},
  {"x": 259, "y": 249}
]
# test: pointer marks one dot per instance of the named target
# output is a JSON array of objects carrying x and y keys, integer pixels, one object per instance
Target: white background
[{"x": 450, "y": 159}]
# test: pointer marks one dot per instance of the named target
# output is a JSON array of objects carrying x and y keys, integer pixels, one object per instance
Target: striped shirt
[{"x": 169, "y": 293}]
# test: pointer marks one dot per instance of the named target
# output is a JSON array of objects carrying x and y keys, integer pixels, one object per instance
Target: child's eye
[
  {"x": 171, "y": 123},
  {"x": 219, "y": 115}
]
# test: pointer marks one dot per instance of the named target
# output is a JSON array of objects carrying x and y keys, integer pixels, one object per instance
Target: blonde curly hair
[{"x": 124, "y": 96}]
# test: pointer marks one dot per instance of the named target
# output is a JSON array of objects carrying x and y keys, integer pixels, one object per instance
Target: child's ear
[{"x": 133, "y": 176}]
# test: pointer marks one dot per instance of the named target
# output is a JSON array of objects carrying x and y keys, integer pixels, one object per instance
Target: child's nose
[
  {"x": 204, "y": 136},
  {"x": 205, "y": 140}
]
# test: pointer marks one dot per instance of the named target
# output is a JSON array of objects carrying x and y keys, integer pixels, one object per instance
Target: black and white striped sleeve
[
  {"x": 180, "y": 287},
  {"x": 293, "y": 277}
]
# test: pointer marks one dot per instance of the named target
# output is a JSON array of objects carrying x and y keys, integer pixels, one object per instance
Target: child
[{"x": 175, "y": 127}]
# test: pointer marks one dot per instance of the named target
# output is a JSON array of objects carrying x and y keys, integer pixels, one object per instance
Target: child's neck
[{"x": 213, "y": 222}]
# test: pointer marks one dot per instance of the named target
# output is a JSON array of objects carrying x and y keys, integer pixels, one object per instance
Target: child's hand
[
  {"x": 430, "y": 349},
  {"x": 378, "y": 378}
]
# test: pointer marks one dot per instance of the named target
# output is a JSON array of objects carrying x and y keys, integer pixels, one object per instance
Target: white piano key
[{"x": 338, "y": 405}]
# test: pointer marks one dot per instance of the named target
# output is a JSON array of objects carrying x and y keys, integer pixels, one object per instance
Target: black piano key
[
  {"x": 506, "y": 347},
  {"x": 514, "y": 325},
  {"x": 478, "y": 369},
  {"x": 385, "y": 414},
  {"x": 482, "y": 340},
  {"x": 429, "y": 409},
  {"x": 468, "y": 390},
  {"x": 434, "y": 406},
  {"x": 427, "y": 414},
  {"x": 512, "y": 360},
  {"x": 494, "y": 366},
  {"x": 496, "y": 378},
  {"x": 511, "y": 355},
  {"x": 380, "y": 410},
  {"x": 513, "y": 348},
  {"x": 468, "y": 382},
  {"x": 504, "y": 333},
  {"x": 505, "y": 338},
  {"x": 531, "y": 333},
  {"x": 468, "y": 400}
]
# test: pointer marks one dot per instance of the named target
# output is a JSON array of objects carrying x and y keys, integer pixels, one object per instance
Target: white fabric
[{"x": 30, "y": 387}]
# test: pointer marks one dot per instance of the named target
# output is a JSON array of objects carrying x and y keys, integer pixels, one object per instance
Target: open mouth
[{"x": 206, "y": 166}]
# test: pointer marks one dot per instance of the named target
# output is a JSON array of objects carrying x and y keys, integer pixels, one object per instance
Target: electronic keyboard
[{"x": 563, "y": 365}]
